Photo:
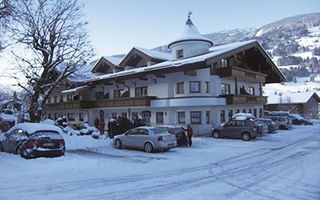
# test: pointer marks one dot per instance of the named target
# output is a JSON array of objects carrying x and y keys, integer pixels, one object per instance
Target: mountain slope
[{"x": 293, "y": 43}]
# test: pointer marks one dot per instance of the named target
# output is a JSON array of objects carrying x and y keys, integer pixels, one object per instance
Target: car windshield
[
  {"x": 47, "y": 134},
  {"x": 158, "y": 130}
]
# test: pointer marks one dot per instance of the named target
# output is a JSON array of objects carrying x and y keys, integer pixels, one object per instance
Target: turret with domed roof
[{"x": 190, "y": 43}]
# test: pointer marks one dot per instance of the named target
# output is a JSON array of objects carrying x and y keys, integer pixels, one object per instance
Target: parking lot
[{"x": 284, "y": 165}]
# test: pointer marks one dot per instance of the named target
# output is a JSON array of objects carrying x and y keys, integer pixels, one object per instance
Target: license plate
[
  {"x": 170, "y": 145},
  {"x": 48, "y": 144}
]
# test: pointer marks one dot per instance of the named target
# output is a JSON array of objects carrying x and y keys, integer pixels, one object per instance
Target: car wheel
[
  {"x": 148, "y": 147},
  {"x": 118, "y": 144},
  {"x": 23, "y": 153},
  {"x": 245, "y": 136},
  {"x": 216, "y": 134}
]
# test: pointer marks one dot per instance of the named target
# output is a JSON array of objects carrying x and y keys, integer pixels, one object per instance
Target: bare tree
[{"x": 53, "y": 44}]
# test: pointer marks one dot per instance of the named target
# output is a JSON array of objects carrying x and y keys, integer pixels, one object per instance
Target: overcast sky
[{"x": 116, "y": 26}]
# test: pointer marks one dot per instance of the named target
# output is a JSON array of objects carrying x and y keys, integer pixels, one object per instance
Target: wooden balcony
[
  {"x": 245, "y": 99},
  {"x": 103, "y": 103},
  {"x": 241, "y": 74}
]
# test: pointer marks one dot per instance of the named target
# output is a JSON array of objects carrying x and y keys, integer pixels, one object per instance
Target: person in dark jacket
[{"x": 189, "y": 134}]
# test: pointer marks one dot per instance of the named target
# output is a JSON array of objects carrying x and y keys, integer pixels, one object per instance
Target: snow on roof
[
  {"x": 33, "y": 127},
  {"x": 298, "y": 97},
  {"x": 114, "y": 60},
  {"x": 214, "y": 51},
  {"x": 73, "y": 89},
  {"x": 190, "y": 32},
  {"x": 154, "y": 54}
]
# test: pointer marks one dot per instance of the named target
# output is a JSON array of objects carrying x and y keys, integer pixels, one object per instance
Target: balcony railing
[
  {"x": 245, "y": 99},
  {"x": 241, "y": 73},
  {"x": 103, "y": 103}
]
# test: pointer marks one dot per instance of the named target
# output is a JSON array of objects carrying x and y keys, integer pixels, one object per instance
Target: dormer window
[{"x": 179, "y": 53}]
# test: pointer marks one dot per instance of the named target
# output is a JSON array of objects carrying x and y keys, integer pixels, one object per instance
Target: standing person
[
  {"x": 189, "y": 134},
  {"x": 101, "y": 127}
]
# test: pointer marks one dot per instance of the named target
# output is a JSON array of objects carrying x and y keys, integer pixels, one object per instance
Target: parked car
[
  {"x": 178, "y": 132},
  {"x": 243, "y": 129},
  {"x": 261, "y": 127},
  {"x": 299, "y": 120},
  {"x": 285, "y": 122},
  {"x": 145, "y": 138},
  {"x": 272, "y": 126},
  {"x": 33, "y": 140}
]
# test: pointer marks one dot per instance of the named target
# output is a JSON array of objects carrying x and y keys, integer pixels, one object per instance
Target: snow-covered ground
[{"x": 284, "y": 165}]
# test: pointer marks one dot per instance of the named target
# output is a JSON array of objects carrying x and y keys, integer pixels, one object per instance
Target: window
[
  {"x": 124, "y": 115},
  {"x": 224, "y": 63},
  {"x": 180, "y": 88},
  {"x": 261, "y": 112},
  {"x": 208, "y": 117},
  {"x": 117, "y": 93},
  {"x": 55, "y": 116},
  {"x": 81, "y": 117},
  {"x": 206, "y": 86},
  {"x": 181, "y": 117},
  {"x": 225, "y": 89},
  {"x": 99, "y": 95},
  {"x": 195, "y": 117},
  {"x": 179, "y": 53},
  {"x": 159, "y": 117},
  {"x": 244, "y": 110},
  {"x": 55, "y": 99},
  {"x": 69, "y": 97},
  {"x": 194, "y": 86},
  {"x": 114, "y": 115},
  {"x": 71, "y": 117},
  {"x": 222, "y": 116},
  {"x": 135, "y": 115},
  {"x": 61, "y": 98},
  {"x": 251, "y": 90},
  {"x": 250, "y": 111},
  {"x": 141, "y": 91},
  {"x": 230, "y": 114},
  {"x": 255, "y": 112}
]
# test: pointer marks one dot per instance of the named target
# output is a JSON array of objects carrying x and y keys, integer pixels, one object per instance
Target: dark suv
[{"x": 243, "y": 129}]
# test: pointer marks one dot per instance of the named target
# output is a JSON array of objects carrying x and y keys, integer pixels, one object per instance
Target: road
[{"x": 280, "y": 166}]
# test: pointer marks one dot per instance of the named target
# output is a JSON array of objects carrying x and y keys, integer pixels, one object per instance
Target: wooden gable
[
  {"x": 103, "y": 66},
  {"x": 251, "y": 57}
]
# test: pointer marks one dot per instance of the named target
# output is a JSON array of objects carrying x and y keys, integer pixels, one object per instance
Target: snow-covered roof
[
  {"x": 190, "y": 32},
  {"x": 214, "y": 51},
  {"x": 154, "y": 54},
  {"x": 114, "y": 60},
  {"x": 73, "y": 89},
  {"x": 82, "y": 73},
  {"x": 298, "y": 97}
]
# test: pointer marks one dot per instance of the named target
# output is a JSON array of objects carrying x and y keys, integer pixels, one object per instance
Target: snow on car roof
[
  {"x": 34, "y": 127},
  {"x": 243, "y": 115}
]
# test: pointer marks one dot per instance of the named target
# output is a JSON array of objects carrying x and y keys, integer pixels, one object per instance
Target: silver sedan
[{"x": 145, "y": 138}]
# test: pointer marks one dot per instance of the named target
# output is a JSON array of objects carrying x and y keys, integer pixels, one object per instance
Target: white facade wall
[
  {"x": 169, "y": 102},
  {"x": 190, "y": 48}
]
